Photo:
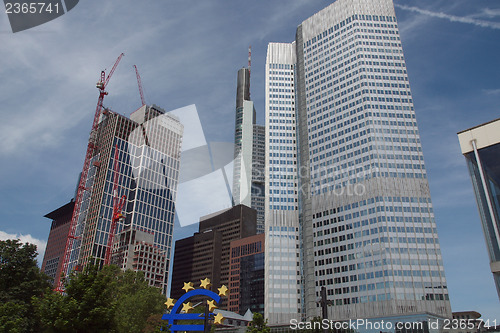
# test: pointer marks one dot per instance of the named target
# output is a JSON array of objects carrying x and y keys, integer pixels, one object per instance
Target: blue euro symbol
[
  {"x": 25, "y": 14},
  {"x": 174, "y": 314}
]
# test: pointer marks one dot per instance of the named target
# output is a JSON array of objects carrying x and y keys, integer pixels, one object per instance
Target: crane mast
[
  {"x": 118, "y": 203},
  {"x": 91, "y": 148}
]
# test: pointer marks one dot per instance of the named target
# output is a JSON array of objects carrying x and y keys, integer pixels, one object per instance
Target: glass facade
[
  {"x": 246, "y": 279},
  {"x": 147, "y": 148},
  {"x": 252, "y": 283},
  {"x": 481, "y": 148},
  {"x": 353, "y": 167},
  {"x": 249, "y": 150},
  {"x": 282, "y": 295}
]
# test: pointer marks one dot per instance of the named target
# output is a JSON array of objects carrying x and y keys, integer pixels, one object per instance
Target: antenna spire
[{"x": 249, "y": 67}]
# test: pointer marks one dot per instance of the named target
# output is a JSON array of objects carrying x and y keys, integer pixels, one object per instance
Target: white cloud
[
  {"x": 453, "y": 18},
  {"x": 488, "y": 12},
  {"x": 40, "y": 244}
]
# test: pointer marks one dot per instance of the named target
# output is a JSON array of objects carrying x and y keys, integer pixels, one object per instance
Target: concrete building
[
  {"x": 348, "y": 204},
  {"x": 246, "y": 275},
  {"x": 56, "y": 244},
  {"x": 206, "y": 253},
  {"x": 147, "y": 147},
  {"x": 466, "y": 322},
  {"x": 136, "y": 250},
  {"x": 481, "y": 147},
  {"x": 249, "y": 150}
]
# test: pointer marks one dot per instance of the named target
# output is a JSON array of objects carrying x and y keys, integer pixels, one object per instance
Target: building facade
[
  {"x": 246, "y": 275},
  {"x": 196, "y": 258},
  {"x": 345, "y": 173},
  {"x": 145, "y": 151},
  {"x": 249, "y": 150},
  {"x": 481, "y": 147},
  {"x": 206, "y": 254},
  {"x": 56, "y": 244},
  {"x": 283, "y": 285}
]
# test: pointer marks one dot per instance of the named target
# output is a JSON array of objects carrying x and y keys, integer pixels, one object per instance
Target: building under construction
[{"x": 135, "y": 167}]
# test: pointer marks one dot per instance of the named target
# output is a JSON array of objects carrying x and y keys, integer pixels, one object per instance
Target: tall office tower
[
  {"x": 339, "y": 110},
  {"x": 59, "y": 229},
  {"x": 141, "y": 155},
  {"x": 481, "y": 148},
  {"x": 206, "y": 253},
  {"x": 282, "y": 297},
  {"x": 249, "y": 150}
]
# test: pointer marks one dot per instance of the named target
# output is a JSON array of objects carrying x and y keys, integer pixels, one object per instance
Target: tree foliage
[
  {"x": 20, "y": 281},
  {"x": 98, "y": 299},
  {"x": 136, "y": 302},
  {"x": 258, "y": 324},
  {"x": 101, "y": 300},
  {"x": 88, "y": 306}
]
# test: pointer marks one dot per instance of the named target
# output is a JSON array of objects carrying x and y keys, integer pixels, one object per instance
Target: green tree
[
  {"x": 20, "y": 281},
  {"x": 154, "y": 324},
  {"x": 258, "y": 324},
  {"x": 102, "y": 300},
  {"x": 136, "y": 302},
  {"x": 88, "y": 306}
]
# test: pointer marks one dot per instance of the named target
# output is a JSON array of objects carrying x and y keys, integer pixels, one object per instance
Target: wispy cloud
[
  {"x": 453, "y": 18},
  {"x": 488, "y": 12},
  {"x": 491, "y": 91}
]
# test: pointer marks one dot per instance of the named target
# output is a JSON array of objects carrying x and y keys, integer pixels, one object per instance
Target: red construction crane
[
  {"x": 92, "y": 146},
  {"x": 118, "y": 203},
  {"x": 139, "y": 83}
]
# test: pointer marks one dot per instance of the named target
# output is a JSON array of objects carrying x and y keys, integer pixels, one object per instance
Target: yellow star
[
  {"x": 223, "y": 291},
  {"x": 206, "y": 283},
  {"x": 188, "y": 286},
  {"x": 170, "y": 303},
  {"x": 218, "y": 319},
  {"x": 186, "y": 307},
  {"x": 211, "y": 305}
]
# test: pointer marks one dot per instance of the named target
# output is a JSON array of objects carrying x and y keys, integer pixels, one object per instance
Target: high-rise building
[
  {"x": 249, "y": 150},
  {"x": 206, "y": 253},
  {"x": 196, "y": 258},
  {"x": 59, "y": 229},
  {"x": 246, "y": 275},
  {"x": 141, "y": 155},
  {"x": 481, "y": 147},
  {"x": 283, "y": 285},
  {"x": 348, "y": 204}
]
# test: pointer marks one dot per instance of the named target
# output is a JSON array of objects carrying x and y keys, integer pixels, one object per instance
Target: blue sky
[{"x": 188, "y": 52}]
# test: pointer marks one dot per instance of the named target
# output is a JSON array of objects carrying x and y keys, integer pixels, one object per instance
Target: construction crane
[
  {"x": 118, "y": 203},
  {"x": 139, "y": 83},
  {"x": 91, "y": 148}
]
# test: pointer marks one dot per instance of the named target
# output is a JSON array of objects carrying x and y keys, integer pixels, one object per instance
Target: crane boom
[
  {"x": 91, "y": 147},
  {"x": 139, "y": 83}
]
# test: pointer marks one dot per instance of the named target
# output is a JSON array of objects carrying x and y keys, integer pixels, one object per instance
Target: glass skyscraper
[
  {"x": 147, "y": 147},
  {"x": 249, "y": 150},
  {"x": 481, "y": 148},
  {"x": 348, "y": 204}
]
